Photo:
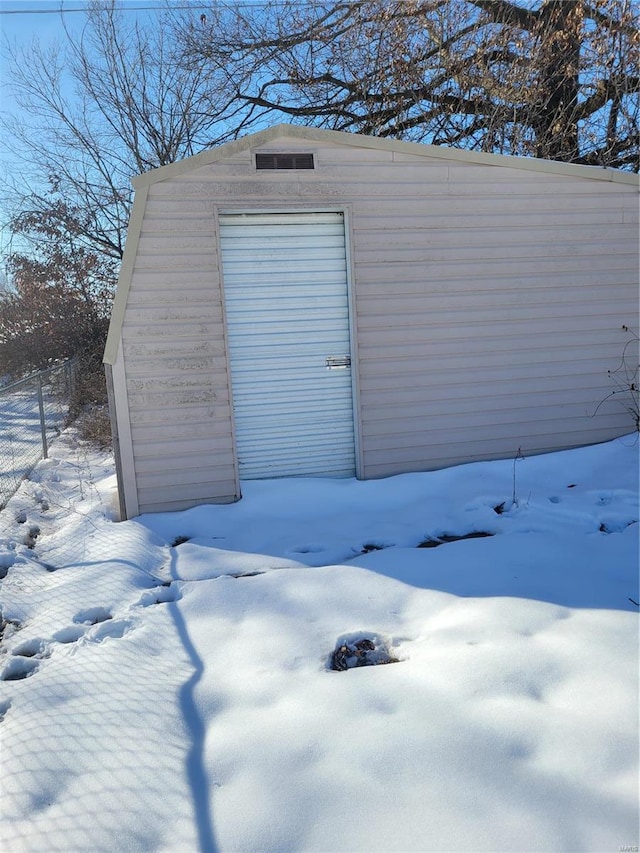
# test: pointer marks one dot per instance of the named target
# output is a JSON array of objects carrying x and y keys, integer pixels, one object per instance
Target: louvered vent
[{"x": 284, "y": 161}]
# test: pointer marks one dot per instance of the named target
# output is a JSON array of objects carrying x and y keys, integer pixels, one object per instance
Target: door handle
[{"x": 338, "y": 362}]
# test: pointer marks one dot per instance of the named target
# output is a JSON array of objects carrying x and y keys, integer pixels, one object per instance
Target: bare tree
[
  {"x": 59, "y": 303},
  {"x": 94, "y": 110},
  {"x": 547, "y": 78},
  {"x": 102, "y": 107}
]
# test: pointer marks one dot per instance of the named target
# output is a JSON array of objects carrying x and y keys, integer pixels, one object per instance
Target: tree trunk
[{"x": 554, "y": 119}]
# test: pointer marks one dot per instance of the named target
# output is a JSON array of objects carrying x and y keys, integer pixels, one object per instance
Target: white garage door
[{"x": 285, "y": 284}]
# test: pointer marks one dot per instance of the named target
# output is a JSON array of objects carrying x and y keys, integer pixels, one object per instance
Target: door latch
[{"x": 338, "y": 362}]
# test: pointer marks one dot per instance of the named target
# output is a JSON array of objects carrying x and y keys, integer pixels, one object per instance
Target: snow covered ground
[{"x": 166, "y": 682}]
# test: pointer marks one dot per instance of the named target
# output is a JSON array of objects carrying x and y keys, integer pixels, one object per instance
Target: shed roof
[{"x": 313, "y": 134}]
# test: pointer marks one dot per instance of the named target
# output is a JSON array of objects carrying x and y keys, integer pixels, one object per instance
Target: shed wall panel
[{"x": 175, "y": 352}]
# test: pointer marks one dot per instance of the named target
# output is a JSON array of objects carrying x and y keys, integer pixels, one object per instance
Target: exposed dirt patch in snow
[{"x": 361, "y": 650}]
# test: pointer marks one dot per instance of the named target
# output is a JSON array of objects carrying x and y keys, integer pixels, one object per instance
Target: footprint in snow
[
  {"x": 93, "y": 630},
  {"x": 160, "y": 595},
  {"x": 92, "y": 616},
  {"x": 8, "y": 627},
  {"x": 18, "y": 668},
  {"x": 69, "y": 635},
  {"x": 35, "y": 648},
  {"x": 94, "y": 625},
  {"x": 30, "y": 536},
  {"x": 114, "y": 630}
]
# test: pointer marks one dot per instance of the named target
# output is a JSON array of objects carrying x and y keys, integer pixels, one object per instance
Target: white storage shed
[{"x": 305, "y": 302}]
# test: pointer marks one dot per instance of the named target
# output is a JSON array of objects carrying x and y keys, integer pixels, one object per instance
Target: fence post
[
  {"x": 43, "y": 425},
  {"x": 71, "y": 377}
]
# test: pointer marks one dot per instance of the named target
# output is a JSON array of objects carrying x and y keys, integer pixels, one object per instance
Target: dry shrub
[{"x": 94, "y": 426}]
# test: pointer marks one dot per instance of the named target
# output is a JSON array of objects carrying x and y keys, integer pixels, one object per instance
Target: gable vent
[{"x": 284, "y": 161}]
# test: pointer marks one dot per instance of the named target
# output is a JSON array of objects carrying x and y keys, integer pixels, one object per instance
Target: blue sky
[{"x": 22, "y": 21}]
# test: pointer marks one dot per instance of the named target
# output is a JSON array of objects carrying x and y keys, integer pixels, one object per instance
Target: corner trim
[{"x": 126, "y": 274}]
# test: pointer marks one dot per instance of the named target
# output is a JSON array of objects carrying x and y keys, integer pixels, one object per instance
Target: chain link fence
[{"x": 32, "y": 412}]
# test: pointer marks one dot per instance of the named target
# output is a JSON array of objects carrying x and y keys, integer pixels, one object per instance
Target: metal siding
[
  {"x": 465, "y": 244},
  {"x": 176, "y": 380},
  {"x": 285, "y": 282},
  {"x": 478, "y": 340}
]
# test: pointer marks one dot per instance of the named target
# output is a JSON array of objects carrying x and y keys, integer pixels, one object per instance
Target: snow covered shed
[{"x": 306, "y": 302}]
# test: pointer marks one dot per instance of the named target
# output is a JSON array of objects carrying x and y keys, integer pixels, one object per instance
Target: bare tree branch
[{"x": 537, "y": 80}]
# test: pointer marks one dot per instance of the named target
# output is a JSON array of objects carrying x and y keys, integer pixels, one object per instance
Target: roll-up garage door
[{"x": 285, "y": 285}]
